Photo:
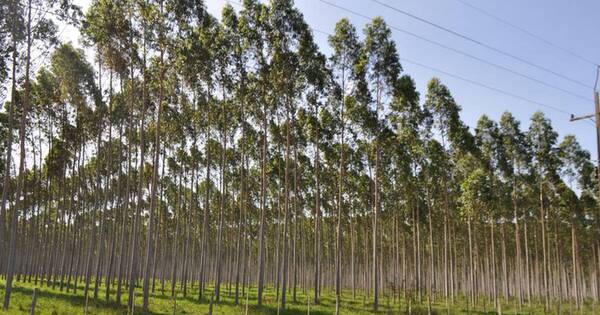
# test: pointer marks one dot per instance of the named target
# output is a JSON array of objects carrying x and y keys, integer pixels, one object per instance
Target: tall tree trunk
[
  {"x": 175, "y": 256},
  {"x": 110, "y": 274},
  {"x": 125, "y": 205},
  {"x": 286, "y": 208},
  {"x": 93, "y": 233},
  {"x": 546, "y": 287},
  {"x": 574, "y": 251},
  {"x": 221, "y": 203},
  {"x": 338, "y": 234},
  {"x": 153, "y": 193},
  {"x": 527, "y": 264},
  {"x": 21, "y": 177},
  {"x": 317, "y": 275},
  {"x": 431, "y": 282},
  {"x": 9, "y": 137},
  {"x": 494, "y": 269},
  {"x": 518, "y": 267},
  {"x": 133, "y": 272},
  {"x": 205, "y": 241},
  {"x": 263, "y": 198},
  {"x": 100, "y": 256},
  {"x": 240, "y": 243},
  {"x": 376, "y": 204},
  {"x": 471, "y": 264}
]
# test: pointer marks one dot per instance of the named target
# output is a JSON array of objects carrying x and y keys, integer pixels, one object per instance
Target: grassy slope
[{"x": 54, "y": 302}]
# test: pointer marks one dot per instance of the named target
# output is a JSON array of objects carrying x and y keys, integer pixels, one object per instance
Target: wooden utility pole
[
  {"x": 597, "y": 107},
  {"x": 596, "y": 116}
]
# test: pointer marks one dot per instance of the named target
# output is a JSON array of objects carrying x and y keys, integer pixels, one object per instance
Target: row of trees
[{"x": 195, "y": 151}]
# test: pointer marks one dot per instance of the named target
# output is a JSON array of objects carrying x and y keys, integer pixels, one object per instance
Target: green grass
[{"x": 55, "y": 302}]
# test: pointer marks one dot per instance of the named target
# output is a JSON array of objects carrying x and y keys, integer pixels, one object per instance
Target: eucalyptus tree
[
  {"x": 516, "y": 158},
  {"x": 6, "y": 21},
  {"x": 209, "y": 31},
  {"x": 240, "y": 58},
  {"x": 146, "y": 15},
  {"x": 46, "y": 101},
  {"x": 161, "y": 38},
  {"x": 55, "y": 94},
  {"x": 575, "y": 169},
  {"x": 301, "y": 181},
  {"x": 194, "y": 52},
  {"x": 118, "y": 156},
  {"x": 15, "y": 23},
  {"x": 77, "y": 87},
  {"x": 487, "y": 135},
  {"x": 25, "y": 30},
  {"x": 446, "y": 121},
  {"x": 44, "y": 91},
  {"x": 316, "y": 84},
  {"x": 173, "y": 185},
  {"x": 381, "y": 66},
  {"x": 129, "y": 94},
  {"x": 542, "y": 139},
  {"x": 105, "y": 25},
  {"x": 435, "y": 165},
  {"x": 346, "y": 52},
  {"x": 290, "y": 35},
  {"x": 409, "y": 123},
  {"x": 255, "y": 25},
  {"x": 129, "y": 46},
  {"x": 177, "y": 27},
  {"x": 475, "y": 198},
  {"x": 182, "y": 115},
  {"x": 108, "y": 25},
  {"x": 224, "y": 79}
]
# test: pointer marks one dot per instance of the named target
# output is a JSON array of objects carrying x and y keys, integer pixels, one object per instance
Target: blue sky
[{"x": 569, "y": 24}]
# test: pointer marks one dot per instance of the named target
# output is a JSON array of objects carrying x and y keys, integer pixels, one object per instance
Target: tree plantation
[{"x": 188, "y": 163}]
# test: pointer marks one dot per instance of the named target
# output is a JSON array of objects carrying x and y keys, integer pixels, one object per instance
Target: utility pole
[{"x": 596, "y": 117}]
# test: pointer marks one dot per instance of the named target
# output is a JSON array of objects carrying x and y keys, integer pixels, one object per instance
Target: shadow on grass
[
  {"x": 77, "y": 301},
  {"x": 192, "y": 305},
  {"x": 74, "y": 300},
  {"x": 287, "y": 311}
]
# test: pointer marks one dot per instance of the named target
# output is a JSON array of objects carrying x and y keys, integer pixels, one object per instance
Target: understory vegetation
[{"x": 54, "y": 302}]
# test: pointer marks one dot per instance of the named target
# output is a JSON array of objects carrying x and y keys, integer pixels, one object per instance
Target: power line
[
  {"x": 530, "y": 34},
  {"x": 477, "y": 83},
  {"x": 483, "y": 85},
  {"x": 519, "y": 97},
  {"x": 473, "y": 82},
  {"x": 466, "y": 54},
  {"x": 320, "y": 31},
  {"x": 478, "y": 42}
]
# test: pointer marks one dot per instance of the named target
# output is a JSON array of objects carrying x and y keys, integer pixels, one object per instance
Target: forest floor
[{"x": 54, "y": 302}]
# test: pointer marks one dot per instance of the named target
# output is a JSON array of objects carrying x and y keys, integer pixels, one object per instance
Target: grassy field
[{"x": 55, "y": 302}]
